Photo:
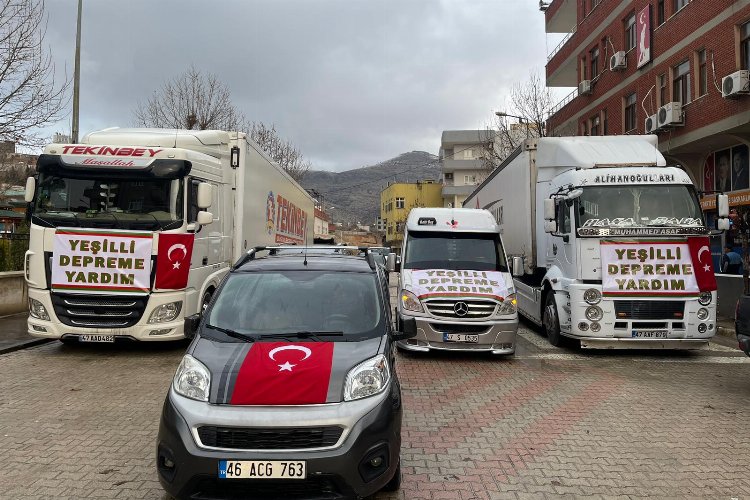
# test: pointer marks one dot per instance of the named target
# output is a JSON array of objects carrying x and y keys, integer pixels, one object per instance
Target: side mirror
[
  {"x": 191, "y": 325},
  {"x": 549, "y": 209},
  {"x": 723, "y": 224},
  {"x": 550, "y": 226},
  {"x": 30, "y": 190},
  {"x": 410, "y": 330},
  {"x": 204, "y": 218},
  {"x": 722, "y": 203},
  {"x": 205, "y": 192},
  {"x": 390, "y": 262},
  {"x": 517, "y": 266}
]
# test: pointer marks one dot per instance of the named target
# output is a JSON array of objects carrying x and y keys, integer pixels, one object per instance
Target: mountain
[{"x": 355, "y": 194}]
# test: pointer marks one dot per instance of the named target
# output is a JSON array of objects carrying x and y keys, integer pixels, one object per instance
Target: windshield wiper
[
  {"x": 232, "y": 333},
  {"x": 302, "y": 335}
]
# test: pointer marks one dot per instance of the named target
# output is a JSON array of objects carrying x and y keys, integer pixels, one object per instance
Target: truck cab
[{"x": 455, "y": 281}]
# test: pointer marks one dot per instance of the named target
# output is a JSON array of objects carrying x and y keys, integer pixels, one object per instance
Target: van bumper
[{"x": 497, "y": 337}]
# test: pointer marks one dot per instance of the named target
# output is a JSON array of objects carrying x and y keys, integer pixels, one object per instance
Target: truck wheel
[{"x": 551, "y": 321}]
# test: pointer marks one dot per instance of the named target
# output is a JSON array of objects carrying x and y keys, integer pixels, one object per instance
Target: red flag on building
[
  {"x": 281, "y": 373},
  {"x": 700, "y": 252},
  {"x": 173, "y": 261}
]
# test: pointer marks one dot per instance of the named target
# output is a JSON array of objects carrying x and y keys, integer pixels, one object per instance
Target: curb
[{"x": 25, "y": 344}]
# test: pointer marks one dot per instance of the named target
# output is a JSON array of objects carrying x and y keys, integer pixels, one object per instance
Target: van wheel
[
  {"x": 395, "y": 483},
  {"x": 551, "y": 321},
  {"x": 206, "y": 300}
]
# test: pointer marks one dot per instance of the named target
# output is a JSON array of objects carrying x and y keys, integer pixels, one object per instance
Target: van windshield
[
  {"x": 280, "y": 302},
  {"x": 455, "y": 251}
]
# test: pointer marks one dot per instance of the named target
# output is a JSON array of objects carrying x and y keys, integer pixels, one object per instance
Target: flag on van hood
[
  {"x": 173, "y": 261},
  {"x": 284, "y": 373},
  {"x": 429, "y": 283}
]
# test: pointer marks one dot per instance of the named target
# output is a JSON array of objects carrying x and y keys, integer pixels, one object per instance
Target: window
[
  {"x": 584, "y": 128},
  {"x": 702, "y": 73},
  {"x": 594, "y": 56},
  {"x": 681, "y": 83},
  {"x": 400, "y": 203},
  {"x": 449, "y": 176},
  {"x": 662, "y": 89},
  {"x": 449, "y": 154},
  {"x": 595, "y": 125},
  {"x": 468, "y": 154},
  {"x": 563, "y": 217},
  {"x": 605, "y": 129},
  {"x": 678, "y": 4},
  {"x": 660, "y": 17},
  {"x": 583, "y": 68},
  {"x": 630, "y": 32},
  {"x": 470, "y": 179},
  {"x": 630, "y": 112},
  {"x": 745, "y": 46},
  {"x": 583, "y": 7}
]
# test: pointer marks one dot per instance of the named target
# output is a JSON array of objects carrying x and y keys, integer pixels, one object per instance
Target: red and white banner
[
  {"x": 656, "y": 268},
  {"x": 643, "y": 36},
  {"x": 448, "y": 283},
  {"x": 281, "y": 373},
  {"x": 173, "y": 261}
]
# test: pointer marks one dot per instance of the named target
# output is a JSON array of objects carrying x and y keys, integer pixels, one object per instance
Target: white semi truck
[
  {"x": 614, "y": 243},
  {"x": 133, "y": 229}
]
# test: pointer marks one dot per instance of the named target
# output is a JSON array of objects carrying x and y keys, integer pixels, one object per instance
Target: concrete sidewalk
[{"x": 13, "y": 334}]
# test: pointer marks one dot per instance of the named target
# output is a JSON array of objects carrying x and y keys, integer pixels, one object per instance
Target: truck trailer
[
  {"x": 614, "y": 243},
  {"x": 133, "y": 229}
]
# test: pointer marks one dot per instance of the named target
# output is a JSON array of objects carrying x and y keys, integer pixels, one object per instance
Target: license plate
[
  {"x": 261, "y": 469},
  {"x": 460, "y": 337},
  {"x": 649, "y": 334},
  {"x": 96, "y": 338}
]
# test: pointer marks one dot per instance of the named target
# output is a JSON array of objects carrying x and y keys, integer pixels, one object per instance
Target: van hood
[
  {"x": 280, "y": 373},
  {"x": 430, "y": 283}
]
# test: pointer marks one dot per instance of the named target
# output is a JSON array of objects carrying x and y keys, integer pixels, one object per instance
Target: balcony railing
[
  {"x": 561, "y": 44},
  {"x": 564, "y": 102}
]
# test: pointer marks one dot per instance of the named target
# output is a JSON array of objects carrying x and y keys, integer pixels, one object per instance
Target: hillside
[{"x": 355, "y": 194}]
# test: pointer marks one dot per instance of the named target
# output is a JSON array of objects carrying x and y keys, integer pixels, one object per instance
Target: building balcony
[
  {"x": 561, "y": 16},
  {"x": 453, "y": 165},
  {"x": 458, "y": 190}
]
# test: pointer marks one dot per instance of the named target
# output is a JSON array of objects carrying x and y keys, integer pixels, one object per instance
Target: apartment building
[
  {"x": 397, "y": 199},
  {"x": 465, "y": 161}
]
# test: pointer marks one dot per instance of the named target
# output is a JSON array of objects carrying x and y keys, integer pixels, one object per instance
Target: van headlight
[
  {"x": 192, "y": 379},
  {"x": 367, "y": 378},
  {"x": 410, "y": 302},
  {"x": 508, "y": 305},
  {"x": 165, "y": 312}
]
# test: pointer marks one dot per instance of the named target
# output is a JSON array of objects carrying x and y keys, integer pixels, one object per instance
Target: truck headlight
[
  {"x": 702, "y": 314},
  {"x": 37, "y": 310},
  {"x": 592, "y": 296},
  {"x": 165, "y": 312},
  {"x": 594, "y": 313},
  {"x": 192, "y": 379},
  {"x": 410, "y": 302},
  {"x": 367, "y": 378},
  {"x": 705, "y": 298},
  {"x": 508, "y": 305}
]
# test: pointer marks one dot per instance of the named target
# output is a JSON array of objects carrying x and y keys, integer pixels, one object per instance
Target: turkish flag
[
  {"x": 282, "y": 373},
  {"x": 700, "y": 252},
  {"x": 173, "y": 261}
]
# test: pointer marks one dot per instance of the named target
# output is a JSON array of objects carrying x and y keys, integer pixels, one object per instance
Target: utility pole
[{"x": 77, "y": 77}]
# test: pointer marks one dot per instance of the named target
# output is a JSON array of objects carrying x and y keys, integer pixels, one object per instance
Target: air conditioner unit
[
  {"x": 670, "y": 115},
  {"x": 736, "y": 83},
  {"x": 652, "y": 124},
  {"x": 618, "y": 61},
  {"x": 584, "y": 88}
]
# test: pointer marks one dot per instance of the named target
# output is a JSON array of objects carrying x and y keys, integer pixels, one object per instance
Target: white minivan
[{"x": 455, "y": 280}]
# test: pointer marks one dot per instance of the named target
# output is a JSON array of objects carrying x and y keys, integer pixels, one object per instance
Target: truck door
[
  {"x": 208, "y": 248},
  {"x": 562, "y": 242}
]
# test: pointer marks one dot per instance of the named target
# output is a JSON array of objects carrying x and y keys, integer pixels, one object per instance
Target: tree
[
  {"x": 30, "y": 97},
  {"x": 200, "y": 101},
  {"x": 530, "y": 102},
  {"x": 280, "y": 150}
]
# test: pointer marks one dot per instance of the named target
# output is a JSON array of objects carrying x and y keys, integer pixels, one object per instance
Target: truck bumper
[
  {"x": 143, "y": 331},
  {"x": 497, "y": 337},
  {"x": 623, "y": 343}
]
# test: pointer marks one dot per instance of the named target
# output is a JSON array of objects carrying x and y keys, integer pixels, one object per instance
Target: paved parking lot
[{"x": 82, "y": 422}]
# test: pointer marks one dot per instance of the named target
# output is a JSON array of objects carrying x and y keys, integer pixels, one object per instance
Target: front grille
[
  {"x": 254, "y": 438},
  {"x": 98, "y": 311},
  {"x": 650, "y": 309},
  {"x": 320, "y": 487},
  {"x": 446, "y": 308}
]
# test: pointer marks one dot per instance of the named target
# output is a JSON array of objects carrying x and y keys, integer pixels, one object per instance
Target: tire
[
  {"x": 395, "y": 483},
  {"x": 206, "y": 299},
  {"x": 551, "y": 321}
]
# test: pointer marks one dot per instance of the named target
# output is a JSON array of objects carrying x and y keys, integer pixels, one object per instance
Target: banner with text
[
  {"x": 650, "y": 268},
  {"x": 447, "y": 283},
  {"x": 110, "y": 261}
]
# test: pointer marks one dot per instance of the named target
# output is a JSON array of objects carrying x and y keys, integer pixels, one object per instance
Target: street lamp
[{"x": 521, "y": 119}]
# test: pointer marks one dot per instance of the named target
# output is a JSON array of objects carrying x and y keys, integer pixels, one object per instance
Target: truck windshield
[
  {"x": 639, "y": 205},
  {"x": 100, "y": 202},
  {"x": 298, "y": 302},
  {"x": 455, "y": 251}
]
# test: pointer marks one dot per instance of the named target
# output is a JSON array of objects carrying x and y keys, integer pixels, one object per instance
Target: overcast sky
[{"x": 350, "y": 82}]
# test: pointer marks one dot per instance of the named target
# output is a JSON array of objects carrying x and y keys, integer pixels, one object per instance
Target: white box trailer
[
  {"x": 607, "y": 200},
  {"x": 133, "y": 229}
]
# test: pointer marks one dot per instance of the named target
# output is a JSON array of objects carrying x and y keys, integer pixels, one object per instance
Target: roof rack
[{"x": 251, "y": 254}]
